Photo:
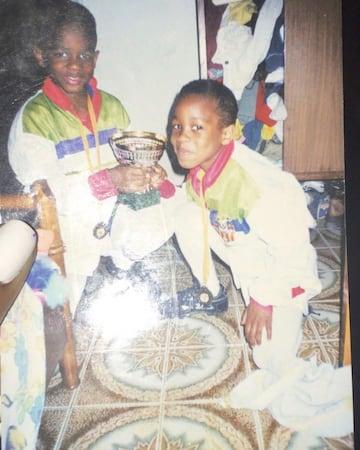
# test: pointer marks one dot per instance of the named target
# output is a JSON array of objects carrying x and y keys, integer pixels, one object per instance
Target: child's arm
[
  {"x": 108, "y": 182},
  {"x": 285, "y": 259}
]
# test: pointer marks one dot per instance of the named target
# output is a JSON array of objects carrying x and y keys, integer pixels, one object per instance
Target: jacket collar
[
  {"x": 213, "y": 171},
  {"x": 56, "y": 95}
]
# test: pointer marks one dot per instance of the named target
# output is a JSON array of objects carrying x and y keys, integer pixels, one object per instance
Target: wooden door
[{"x": 313, "y": 131}]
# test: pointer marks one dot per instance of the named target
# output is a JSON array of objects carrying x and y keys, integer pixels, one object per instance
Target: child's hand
[
  {"x": 157, "y": 175},
  {"x": 256, "y": 318},
  {"x": 129, "y": 178}
]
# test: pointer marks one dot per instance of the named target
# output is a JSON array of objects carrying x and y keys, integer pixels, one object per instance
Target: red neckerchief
[
  {"x": 213, "y": 171},
  {"x": 56, "y": 95}
]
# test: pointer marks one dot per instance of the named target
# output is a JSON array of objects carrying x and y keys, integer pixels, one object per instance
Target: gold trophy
[{"x": 136, "y": 148}]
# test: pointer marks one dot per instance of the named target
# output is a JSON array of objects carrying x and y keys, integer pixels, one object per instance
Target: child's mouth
[
  {"x": 182, "y": 152},
  {"x": 75, "y": 81}
]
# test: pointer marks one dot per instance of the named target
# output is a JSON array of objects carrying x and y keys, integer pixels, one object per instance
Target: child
[
  {"x": 251, "y": 214},
  {"x": 255, "y": 218},
  {"x": 62, "y": 135}
]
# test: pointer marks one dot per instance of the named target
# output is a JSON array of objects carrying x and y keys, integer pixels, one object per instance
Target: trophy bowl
[{"x": 138, "y": 148}]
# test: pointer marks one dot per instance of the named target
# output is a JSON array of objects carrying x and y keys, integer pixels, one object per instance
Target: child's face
[
  {"x": 71, "y": 61},
  {"x": 196, "y": 134}
]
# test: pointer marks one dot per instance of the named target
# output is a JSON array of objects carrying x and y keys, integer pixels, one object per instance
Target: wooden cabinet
[{"x": 313, "y": 131}]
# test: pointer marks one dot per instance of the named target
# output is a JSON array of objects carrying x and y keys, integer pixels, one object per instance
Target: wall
[{"x": 148, "y": 50}]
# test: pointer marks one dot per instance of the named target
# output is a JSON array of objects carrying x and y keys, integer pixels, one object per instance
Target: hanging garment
[
  {"x": 242, "y": 12},
  {"x": 263, "y": 111},
  {"x": 247, "y": 103},
  {"x": 275, "y": 57},
  {"x": 240, "y": 52}
]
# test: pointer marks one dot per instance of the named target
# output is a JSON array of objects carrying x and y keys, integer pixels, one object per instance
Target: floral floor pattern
[{"x": 151, "y": 384}]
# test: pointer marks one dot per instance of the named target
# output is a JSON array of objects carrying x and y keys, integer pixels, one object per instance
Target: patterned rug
[{"x": 162, "y": 384}]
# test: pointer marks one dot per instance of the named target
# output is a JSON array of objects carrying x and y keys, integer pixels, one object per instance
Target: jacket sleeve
[
  {"x": 101, "y": 186},
  {"x": 31, "y": 156},
  {"x": 286, "y": 259}
]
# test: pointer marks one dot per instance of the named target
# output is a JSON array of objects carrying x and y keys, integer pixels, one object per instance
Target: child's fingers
[
  {"x": 158, "y": 172},
  {"x": 159, "y": 169}
]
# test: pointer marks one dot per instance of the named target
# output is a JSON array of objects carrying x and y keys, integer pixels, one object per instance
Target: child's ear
[
  {"x": 228, "y": 134},
  {"x": 39, "y": 56},
  {"x": 96, "y": 56}
]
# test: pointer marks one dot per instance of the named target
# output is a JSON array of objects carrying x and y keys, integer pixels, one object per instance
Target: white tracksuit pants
[{"x": 287, "y": 320}]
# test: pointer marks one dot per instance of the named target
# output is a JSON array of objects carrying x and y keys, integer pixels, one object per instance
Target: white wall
[{"x": 148, "y": 50}]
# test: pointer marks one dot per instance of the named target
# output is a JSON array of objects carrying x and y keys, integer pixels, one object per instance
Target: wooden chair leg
[
  {"x": 68, "y": 363},
  {"x": 48, "y": 214}
]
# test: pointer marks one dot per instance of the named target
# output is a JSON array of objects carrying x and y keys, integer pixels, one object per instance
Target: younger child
[
  {"x": 251, "y": 214},
  {"x": 255, "y": 218}
]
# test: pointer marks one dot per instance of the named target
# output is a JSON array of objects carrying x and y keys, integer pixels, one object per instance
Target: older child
[{"x": 62, "y": 135}]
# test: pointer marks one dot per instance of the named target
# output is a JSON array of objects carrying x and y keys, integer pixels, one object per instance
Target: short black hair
[
  {"x": 226, "y": 107},
  {"x": 59, "y": 13},
  {"x": 226, "y": 103}
]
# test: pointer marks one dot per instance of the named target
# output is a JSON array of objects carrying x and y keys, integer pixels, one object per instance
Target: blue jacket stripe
[{"x": 75, "y": 145}]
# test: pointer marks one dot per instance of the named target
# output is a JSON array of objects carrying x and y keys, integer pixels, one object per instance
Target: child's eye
[
  {"x": 87, "y": 56},
  {"x": 196, "y": 127},
  {"x": 176, "y": 126},
  {"x": 64, "y": 55},
  {"x": 60, "y": 54}
]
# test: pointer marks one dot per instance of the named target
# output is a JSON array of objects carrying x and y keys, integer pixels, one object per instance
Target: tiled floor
[{"x": 150, "y": 384}]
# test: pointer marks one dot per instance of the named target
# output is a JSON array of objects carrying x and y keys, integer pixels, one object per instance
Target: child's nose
[
  {"x": 184, "y": 133},
  {"x": 74, "y": 61}
]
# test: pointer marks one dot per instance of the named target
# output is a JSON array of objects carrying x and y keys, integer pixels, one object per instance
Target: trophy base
[{"x": 141, "y": 200}]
